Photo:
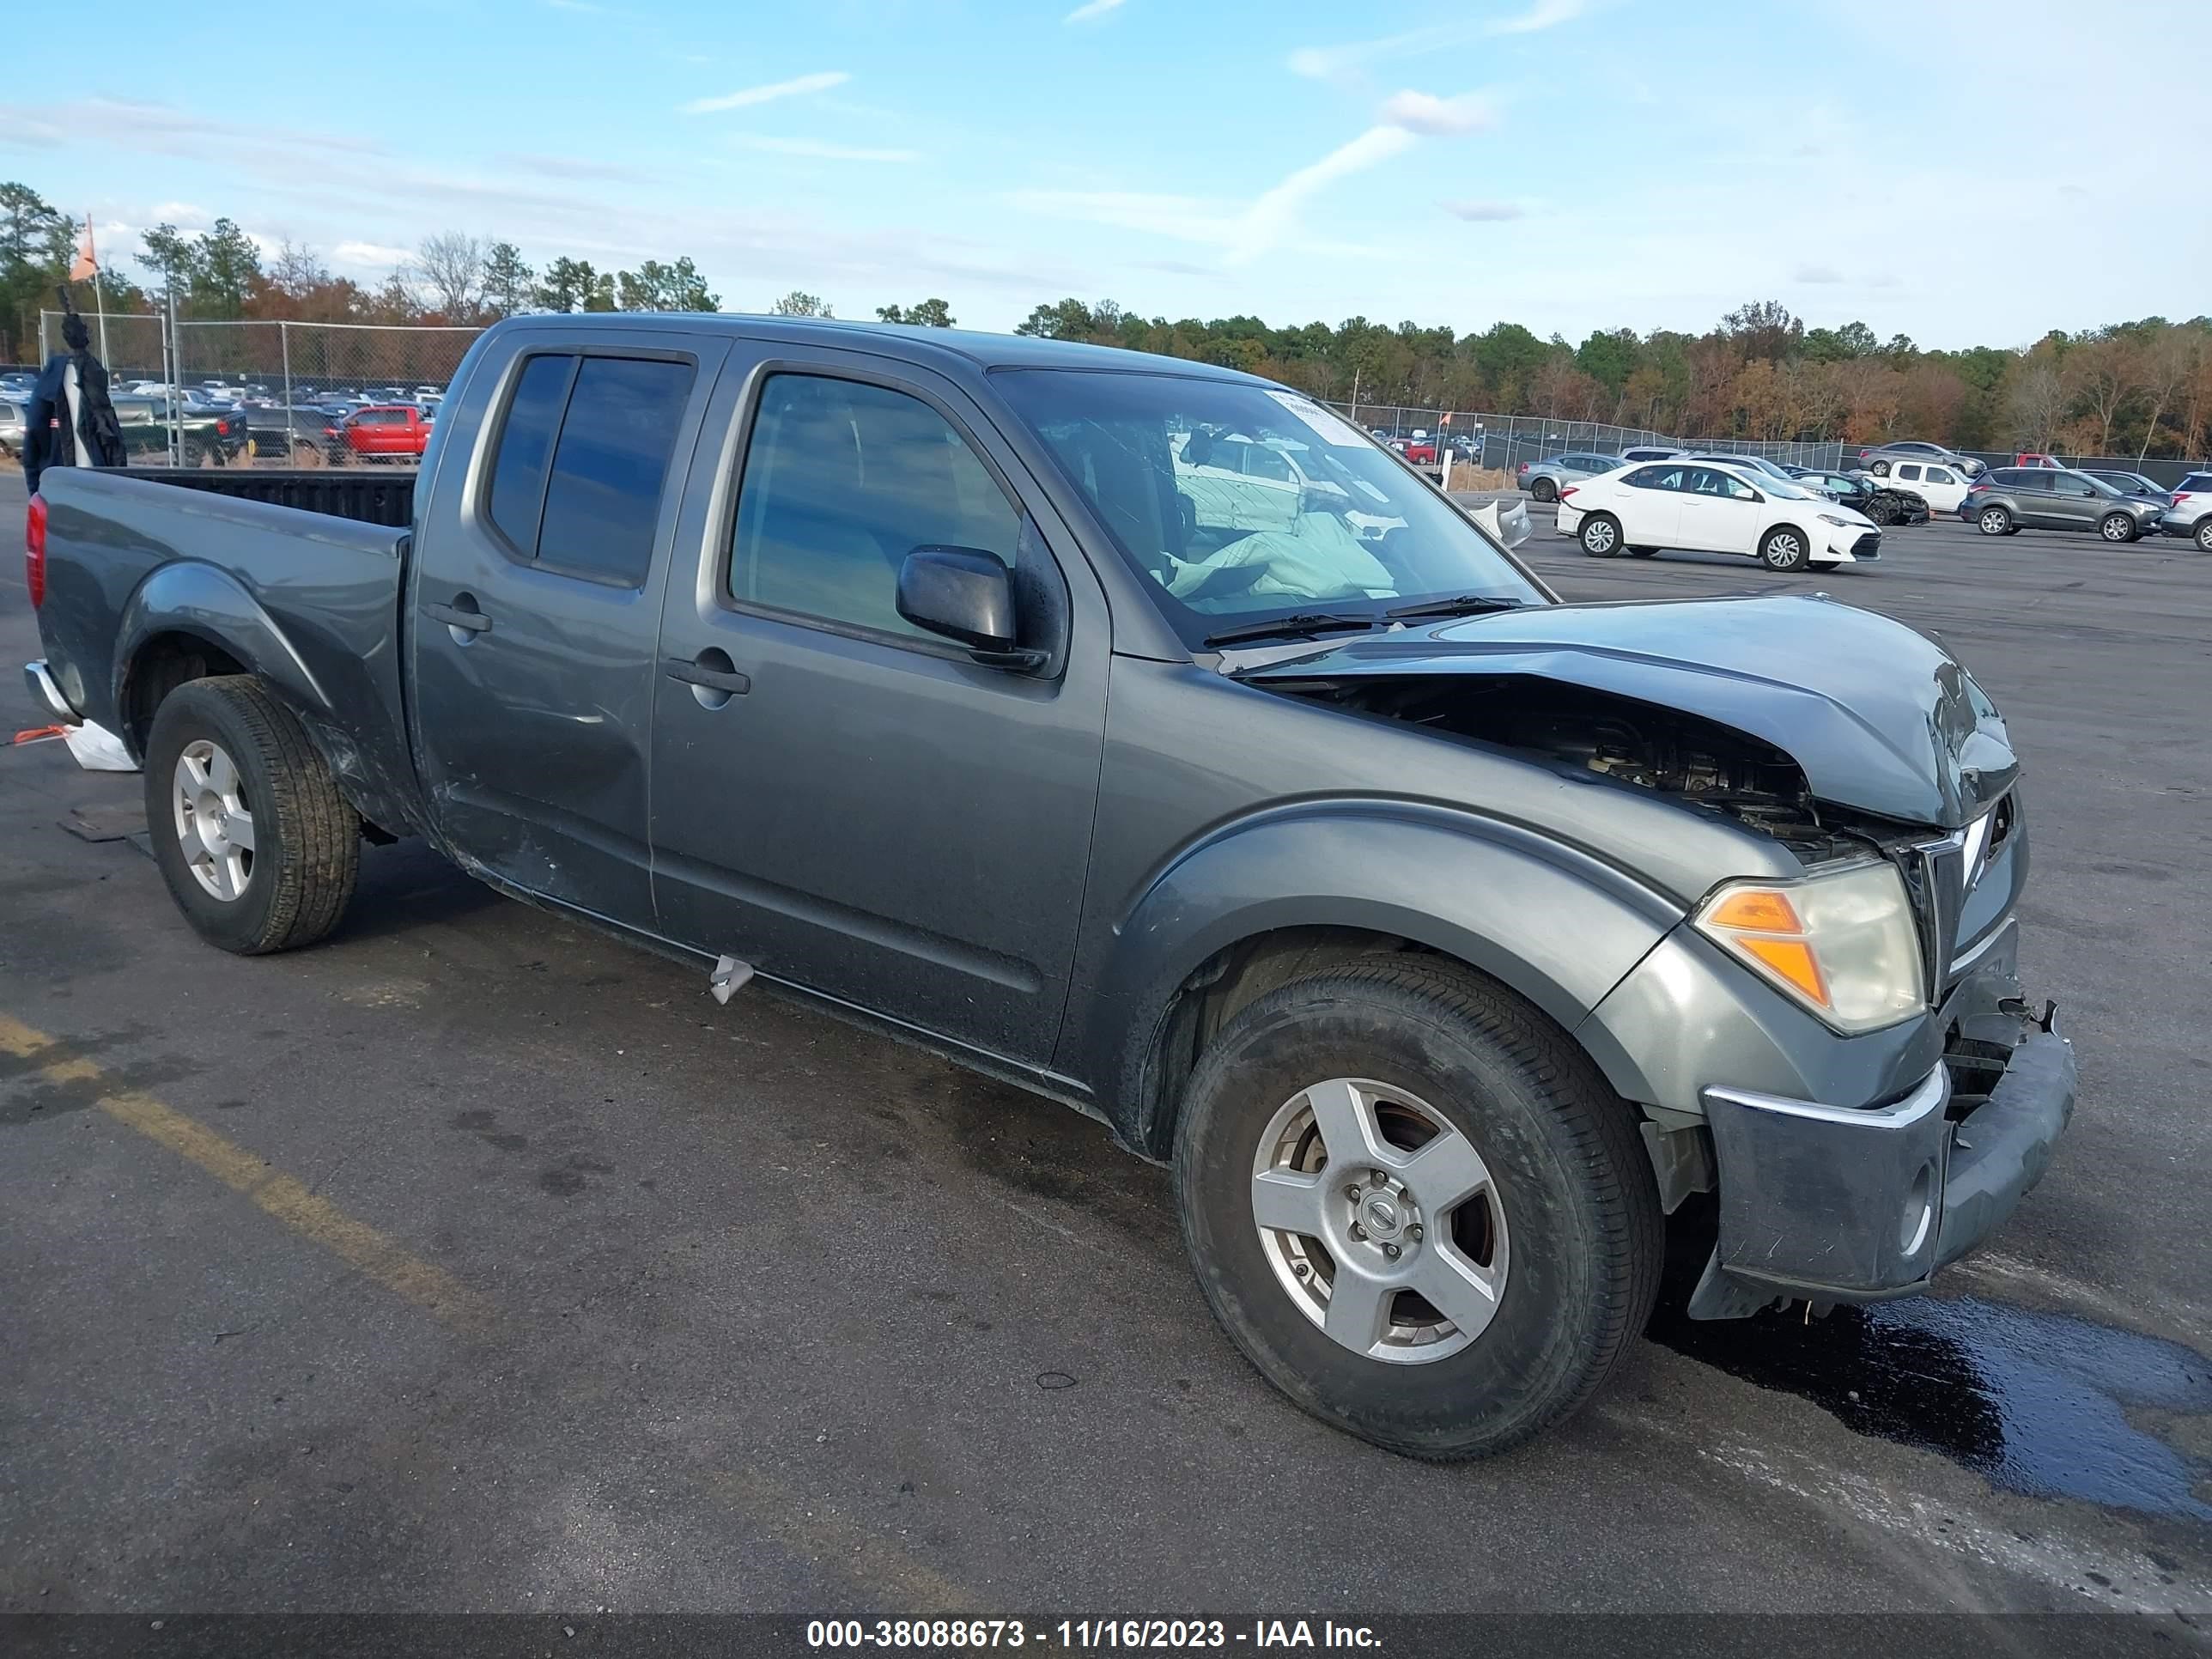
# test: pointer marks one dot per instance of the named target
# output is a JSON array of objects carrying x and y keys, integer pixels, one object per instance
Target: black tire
[
  {"x": 1785, "y": 548},
  {"x": 2119, "y": 527},
  {"x": 307, "y": 836},
  {"x": 1581, "y": 1211},
  {"x": 2204, "y": 537},
  {"x": 1599, "y": 536},
  {"x": 1882, "y": 511},
  {"x": 1544, "y": 490},
  {"x": 1644, "y": 552},
  {"x": 1995, "y": 521}
]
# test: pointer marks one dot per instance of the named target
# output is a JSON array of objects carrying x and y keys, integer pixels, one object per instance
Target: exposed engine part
[{"x": 1699, "y": 761}]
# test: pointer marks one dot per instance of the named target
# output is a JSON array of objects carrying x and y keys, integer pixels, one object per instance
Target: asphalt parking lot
[{"x": 472, "y": 1262}]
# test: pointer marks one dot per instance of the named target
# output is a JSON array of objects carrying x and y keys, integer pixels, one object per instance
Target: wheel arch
[
  {"x": 1263, "y": 903},
  {"x": 185, "y": 609}
]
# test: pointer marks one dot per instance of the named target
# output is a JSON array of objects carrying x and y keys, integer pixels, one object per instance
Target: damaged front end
[{"x": 1858, "y": 1132}]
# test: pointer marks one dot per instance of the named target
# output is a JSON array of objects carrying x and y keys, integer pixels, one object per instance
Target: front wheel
[
  {"x": 1416, "y": 1206},
  {"x": 1783, "y": 548},
  {"x": 258, "y": 847},
  {"x": 1600, "y": 536},
  {"x": 1995, "y": 521},
  {"x": 2118, "y": 527},
  {"x": 1544, "y": 490}
]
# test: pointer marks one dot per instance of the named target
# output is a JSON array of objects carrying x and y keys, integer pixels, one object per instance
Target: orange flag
[{"x": 85, "y": 265}]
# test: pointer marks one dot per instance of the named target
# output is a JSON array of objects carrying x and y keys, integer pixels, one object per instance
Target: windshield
[{"x": 1242, "y": 501}]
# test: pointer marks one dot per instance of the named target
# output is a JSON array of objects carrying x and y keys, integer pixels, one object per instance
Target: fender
[
  {"x": 1558, "y": 925},
  {"x": 211, "y": 605}
]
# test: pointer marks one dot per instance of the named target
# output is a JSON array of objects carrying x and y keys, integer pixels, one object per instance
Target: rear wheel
[
  {"x": 1416, "y": 1206},
  {"x": 258, "y": 847},
  {"x": 1880, "y": 468},
  {"x": 1600, "y": 536},
  {"x": 2204, "y": 535},
  {"x": 1784, "y": 547},
  {"x": 1544, "y": 490},
  {"x": 1995, "y": 521}
]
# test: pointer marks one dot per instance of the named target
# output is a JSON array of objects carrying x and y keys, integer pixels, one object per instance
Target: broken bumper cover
[
  {"x": 48, "y": 695},
  {"x": 1833, "y": 1204}
]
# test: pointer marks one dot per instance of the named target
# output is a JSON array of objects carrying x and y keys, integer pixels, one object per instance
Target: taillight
[
  {"x": 34, "y": 550},
  {"x": 1567, "y": 491},
  {"x": 1524, "y": 466}
]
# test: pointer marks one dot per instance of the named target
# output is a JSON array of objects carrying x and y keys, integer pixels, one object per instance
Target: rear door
[
  {"x": 537, "y": 606},
  {"x": 1649, "y": 503},
  {"x": 846, "y": 802},
  {"x": 2032, "y": 488}
]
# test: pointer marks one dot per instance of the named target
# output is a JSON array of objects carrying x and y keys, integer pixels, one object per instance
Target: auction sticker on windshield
[{"x": 1330, "y": 427}]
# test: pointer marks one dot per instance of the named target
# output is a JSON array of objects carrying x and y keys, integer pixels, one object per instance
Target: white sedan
[{"x": 1713, "y": 509}]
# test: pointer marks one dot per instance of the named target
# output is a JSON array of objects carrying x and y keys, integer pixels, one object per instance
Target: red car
[{"x": 387, "y": 432}]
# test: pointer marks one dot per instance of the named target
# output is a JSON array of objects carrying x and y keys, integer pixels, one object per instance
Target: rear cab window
[{"x": 583, "y": 457}]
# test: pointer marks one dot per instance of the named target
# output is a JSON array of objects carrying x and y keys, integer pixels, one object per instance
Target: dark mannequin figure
[{"x": 70, "y": 421}]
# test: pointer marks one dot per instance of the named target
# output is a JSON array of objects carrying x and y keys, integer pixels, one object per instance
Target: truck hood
[{"x": 1879, "y": 717}]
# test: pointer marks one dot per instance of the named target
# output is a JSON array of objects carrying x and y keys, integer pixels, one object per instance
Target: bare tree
[
  {"x": 2109, "y": 376},
  {"x": 2036, "y": 405},
  {"x": 2169, "y": 359},
  {"x": 452, "y": 264}
]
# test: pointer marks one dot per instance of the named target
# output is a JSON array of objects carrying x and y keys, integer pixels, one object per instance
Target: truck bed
[
  {"x": 299, "y": 573},
  {"x": 379, "y": 495}
]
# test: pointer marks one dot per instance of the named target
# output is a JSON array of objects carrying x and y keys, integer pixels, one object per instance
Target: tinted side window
[
  {"x": 1656, "y": 477},
  {"x": 1261, "y": 462},
  {"x": 518, "y": 476},
  {"x": 603, "y": 500},
  {"x": 1909, "y": 471},
  {"x": 2194, "y": 482},
  {"x": 1940, "y": 475},
  {"x": 841, "y": 481}
]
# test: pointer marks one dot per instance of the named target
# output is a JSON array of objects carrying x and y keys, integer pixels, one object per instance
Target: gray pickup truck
[{"x": 1450, "y": 942}]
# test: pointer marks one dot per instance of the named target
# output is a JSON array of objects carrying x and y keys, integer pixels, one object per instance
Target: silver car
[
  {"x": 1878, "y": 461},
  {"x": 11, "y": 430},
  {"x": 1542, "y": 479}
]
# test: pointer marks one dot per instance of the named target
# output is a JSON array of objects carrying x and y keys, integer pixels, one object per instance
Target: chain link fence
[
  {"x": 1507, "y": 442},
  {"x": 280, "y": 375}
]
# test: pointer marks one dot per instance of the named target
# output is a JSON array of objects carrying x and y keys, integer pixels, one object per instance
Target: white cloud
[
  {"x": 824, "y": 151},
  {"x": 1091, "y": 9},
  {"x": 182, "y": 214},
  {"x": 1344, "y": 62},
  {"x": 1269, "y": 220},
  {"x": 1816, "y": 274},
  {"x": 1485, "y": 213},
  {"x": 1544, "y": 14},
  {"x": 1425, "y": 113},
  {"x": 370, "y": 254},
  {"x": 748, "y": 96}
]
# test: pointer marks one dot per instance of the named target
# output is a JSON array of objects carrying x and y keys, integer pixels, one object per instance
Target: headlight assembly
[{"x": 1842, "y": 944}]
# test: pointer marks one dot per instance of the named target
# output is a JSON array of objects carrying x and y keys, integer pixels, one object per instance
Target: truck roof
[{"x": 971, "y": 347}]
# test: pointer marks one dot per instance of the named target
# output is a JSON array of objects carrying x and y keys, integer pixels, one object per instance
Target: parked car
[
  {"x": 2189, "y": 512},
  {"x": 1544, "y": 479},
  {"x": 2013, "y": 498},
  {"x": 1650, "y": 453},
  {"x": 1746, "y": 463},
  {"x": 205, "y": 437},
  {"x": 2132, "y": 483},
  {"x": 2030, "y": 458},
  {"x": 1879, "y": 459},
  {"x": 1236, "y": 482},
  {"x": 384, "y": 431},
  {"x": 299, "y": 437},
  {"x": 11, "y": 430},
  {"x": 1444, "y": 938},
  {"x": 1419, "y": 448},
  {"x": 1863, "y": 493},
  {"x": 1941, "y": 486},
  {"x": 1708, "y": 508}
]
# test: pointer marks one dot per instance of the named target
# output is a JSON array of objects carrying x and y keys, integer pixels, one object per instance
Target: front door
[
  {"x": 2078, "y": 504},
  {"x": 537, "y": 606},
  {"x": 843, "y": 800},
  {"x": 1719, "y": 513}
]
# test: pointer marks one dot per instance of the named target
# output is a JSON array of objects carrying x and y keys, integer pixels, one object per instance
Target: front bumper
[{"x": 1834, "y": 1204}]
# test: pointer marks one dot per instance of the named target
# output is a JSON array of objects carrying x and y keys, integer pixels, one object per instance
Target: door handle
[
  {"x": 714, "y": 679},
  {"x": 472, "y": 622}
]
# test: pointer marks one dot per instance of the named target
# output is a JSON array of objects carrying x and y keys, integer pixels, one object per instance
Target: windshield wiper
[
  {"x": 1466, "y": 604},
  {"x": 1306, "y": 622}
]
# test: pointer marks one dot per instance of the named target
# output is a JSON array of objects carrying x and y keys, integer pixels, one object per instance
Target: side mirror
[{"x": 963, "y": 593}]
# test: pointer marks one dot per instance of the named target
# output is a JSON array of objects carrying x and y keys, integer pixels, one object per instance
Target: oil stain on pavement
[{"x": 2037, "y": 1403}]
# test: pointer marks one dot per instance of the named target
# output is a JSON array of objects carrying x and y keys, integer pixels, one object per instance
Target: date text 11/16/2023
[{"x": 1084, "y": 1634}]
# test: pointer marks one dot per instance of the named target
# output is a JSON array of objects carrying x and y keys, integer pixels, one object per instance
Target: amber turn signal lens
[
  {"x": 1792, "y": 958},
  {"x": 1756, "y": 910}
]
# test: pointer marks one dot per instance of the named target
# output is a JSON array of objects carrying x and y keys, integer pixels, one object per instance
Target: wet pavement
[{"x": 472, "y": 1261}]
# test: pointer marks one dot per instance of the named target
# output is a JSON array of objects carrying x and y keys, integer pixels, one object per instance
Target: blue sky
[{"x": 1569, "y": 164}]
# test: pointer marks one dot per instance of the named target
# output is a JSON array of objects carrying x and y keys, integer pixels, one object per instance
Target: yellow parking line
[{"x": 275, "y": 1193}]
